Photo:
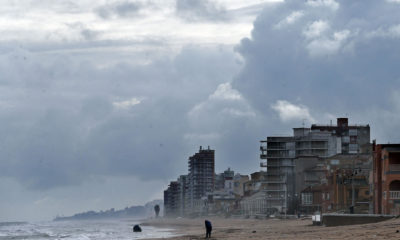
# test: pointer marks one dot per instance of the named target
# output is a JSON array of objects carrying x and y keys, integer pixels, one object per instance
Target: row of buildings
[
  {"x": 326, "y": 168},
  {"x": 201, "y": 191}
]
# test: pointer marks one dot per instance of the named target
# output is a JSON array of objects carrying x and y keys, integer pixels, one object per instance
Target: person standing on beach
[{"x": 208, "y": 228}]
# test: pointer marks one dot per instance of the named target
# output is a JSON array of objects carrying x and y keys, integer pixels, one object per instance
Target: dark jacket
[{"x": 208, "y": 225}]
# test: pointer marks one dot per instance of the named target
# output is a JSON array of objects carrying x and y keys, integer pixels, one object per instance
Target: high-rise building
[
  {"x": 281, "y": 155},
  {"x": 201, "y": 175},
  {"x": 182, "y": 193}
]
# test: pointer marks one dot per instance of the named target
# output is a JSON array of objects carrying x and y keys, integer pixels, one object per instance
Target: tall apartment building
[
  {"x": 182, "y": 194},
  {"x": 277, "y": 160},
  {"x": 201, "y": 175},
  {"x": 281, "y": 155}
]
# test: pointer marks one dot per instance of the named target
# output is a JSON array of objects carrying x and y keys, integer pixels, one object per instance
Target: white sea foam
[{"x": 79, "y": 230}]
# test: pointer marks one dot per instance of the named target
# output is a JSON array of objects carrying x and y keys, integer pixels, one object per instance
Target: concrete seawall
[{"x": 331, "y": 220}]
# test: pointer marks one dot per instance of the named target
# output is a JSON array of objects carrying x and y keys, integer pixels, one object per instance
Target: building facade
[
  {"x": 283, "y": 158},
  {"x": 200, "y": 176},
  {"x": 171, "y": 200},
  {"x": 386, "y": 178},
  {"x": 338, "y": 184}
]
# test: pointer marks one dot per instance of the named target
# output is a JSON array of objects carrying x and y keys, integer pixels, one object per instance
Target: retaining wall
[{"x": 331, "y": 220}]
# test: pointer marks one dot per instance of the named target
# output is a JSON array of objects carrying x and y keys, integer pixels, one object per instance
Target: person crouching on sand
[{"x": 208, "y": 228}]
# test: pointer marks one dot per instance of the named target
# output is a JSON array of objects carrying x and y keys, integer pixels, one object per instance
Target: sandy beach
[{"x": 276, "y": 229}]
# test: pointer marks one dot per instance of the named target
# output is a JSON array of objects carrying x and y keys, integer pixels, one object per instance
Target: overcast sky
[{"x": 102, "y": 102}]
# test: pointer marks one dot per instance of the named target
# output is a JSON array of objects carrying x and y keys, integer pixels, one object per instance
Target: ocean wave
[
  {"x": 78, "y": 230},
  {"x": 6, "y": 224},
  {"x": 28, "y": 236}
]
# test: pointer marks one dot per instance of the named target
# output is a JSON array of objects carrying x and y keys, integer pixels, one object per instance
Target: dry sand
[{"x": 276, "y": 229}]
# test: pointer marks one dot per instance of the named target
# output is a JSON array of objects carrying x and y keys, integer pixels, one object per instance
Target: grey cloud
[
  {"x": 338, "y": 71},
  {"x": 89, "y": 34},
  {"x": 60, "y": 129},
  {"x": 227, "y": 122},
  {"x": 84, "y": 31},
  {"x": 60, "y": 126},
  {"x": 200, "y": 10},
  {"x": 125, "y": 9}
]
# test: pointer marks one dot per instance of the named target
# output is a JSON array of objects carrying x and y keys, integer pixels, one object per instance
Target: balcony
[
  {"x": 282, "y": 155},
  {"x": 394, "y": 194},
  {"x": 271, "y": 179},
  {"x": 263, "y": 164},
  {"x": 274, "y": 188}
]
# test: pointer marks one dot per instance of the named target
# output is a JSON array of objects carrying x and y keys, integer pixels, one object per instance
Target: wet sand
[{"x": 276, "y": 229}]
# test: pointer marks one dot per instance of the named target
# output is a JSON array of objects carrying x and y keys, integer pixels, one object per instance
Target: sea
[{"x": 80, "y": 229}]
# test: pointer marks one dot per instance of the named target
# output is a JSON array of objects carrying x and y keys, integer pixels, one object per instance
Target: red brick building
[{"x": 386, "y": 178}]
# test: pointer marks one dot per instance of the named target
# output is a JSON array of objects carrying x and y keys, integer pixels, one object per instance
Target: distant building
[
  {"x": 386, "y": 178},
  {"x": 255, "y": 200},
  {"x": 182, "y": 193},
  {"x": 283, "y": 157},
  {"x": 171, "y": 200},
  {"x": 224, "y": 181},
  {"x": 239, "y": 182},
  {"x": 254, "y": 205},
  {"x": 188, "y": 195},
  {"x": 200, "y": 177}
]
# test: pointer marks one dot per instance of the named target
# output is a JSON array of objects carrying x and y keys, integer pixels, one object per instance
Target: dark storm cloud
[
  {"x": 124, "y": 9},
  {"x": 74, "y": 110},
  {"x": 227, "y": 122},
  {"x": 335, "y": 57},
  {"x": 200, "y": 10},
  {"x": 65, "y": 119}
]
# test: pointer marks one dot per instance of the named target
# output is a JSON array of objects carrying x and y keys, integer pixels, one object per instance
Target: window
[
  {"x": 335, "y": 162},
  {"x": 353, "y": 132},
  {"x": 353, "y": 148},
  {"x": 306, "y": 198}
]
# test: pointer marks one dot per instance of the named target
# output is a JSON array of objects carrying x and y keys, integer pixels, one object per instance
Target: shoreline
[{"x": 243, "y": 229}]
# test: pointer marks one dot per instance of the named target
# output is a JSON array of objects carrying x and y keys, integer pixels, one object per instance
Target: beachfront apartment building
[
  {"x": 282, "y": 157},
  {"x": 200, "y": 177},
  {"x": 186, "y": 195},
  {"x": 329, "y": 186},
  {"x": 386, "y": 178}
]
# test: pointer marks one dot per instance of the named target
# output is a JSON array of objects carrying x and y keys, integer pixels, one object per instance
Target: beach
[{"x": 225, "y": 228}]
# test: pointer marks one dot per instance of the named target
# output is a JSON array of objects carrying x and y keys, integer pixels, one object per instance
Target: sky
[{"x": 102, "y": 102}]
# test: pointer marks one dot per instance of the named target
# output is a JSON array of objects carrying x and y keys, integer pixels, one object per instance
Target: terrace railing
[{"x": 394, "y": 194}]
